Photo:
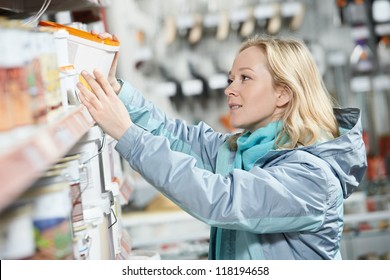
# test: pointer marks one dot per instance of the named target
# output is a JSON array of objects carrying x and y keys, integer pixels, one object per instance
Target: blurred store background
[{"x": 180, "y": 52}]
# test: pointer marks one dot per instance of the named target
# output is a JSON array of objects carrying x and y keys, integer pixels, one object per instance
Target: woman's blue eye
[
  {"x": 229, "y": 81},
  {"x": 244, "y": 77}
]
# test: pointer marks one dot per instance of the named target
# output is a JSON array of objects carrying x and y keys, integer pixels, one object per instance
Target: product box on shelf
[{"x": 86, "y": 50}]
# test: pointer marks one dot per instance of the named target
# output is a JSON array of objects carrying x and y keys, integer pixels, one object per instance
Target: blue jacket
[{"x": 288, "y": 206}]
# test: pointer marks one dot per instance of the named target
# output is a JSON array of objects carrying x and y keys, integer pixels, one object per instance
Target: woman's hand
[
  {"x": 104, "y": 105},
  {"x": 112, "y": 74}
]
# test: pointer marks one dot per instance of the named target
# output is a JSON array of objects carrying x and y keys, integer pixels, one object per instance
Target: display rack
[
  {"x": 371, "y": 244},
  {"x": 23, "y": 162},
  {"x": 370, "y": 216},
  {"x": 156, "y": 228},
  {"x": 23, "y": 6},
  {"x": 95, "y": 178}
]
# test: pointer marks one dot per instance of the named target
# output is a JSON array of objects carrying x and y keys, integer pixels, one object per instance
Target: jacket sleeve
[
  {"x": 293, "y": 196},
  {"x": 199, "y": 141}
]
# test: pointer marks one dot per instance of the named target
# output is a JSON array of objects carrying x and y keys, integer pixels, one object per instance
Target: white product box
[{"x": 87, "y": 51}]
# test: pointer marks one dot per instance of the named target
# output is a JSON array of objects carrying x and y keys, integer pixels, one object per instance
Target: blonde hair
[{"x": 309, "y": 116}]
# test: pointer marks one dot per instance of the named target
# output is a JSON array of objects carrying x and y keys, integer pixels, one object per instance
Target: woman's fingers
[
  {"x": 88, "y": 98},
  {"x": 106, "y": 86},
  {"x": 115, "y": 38},
  {"x": 104, "y": 105},
  {"x": 105, "y": 35},
  {"x": 99, "y": 85},
  {"x": 82, "y": 97},
  {"x": 112, "y": 73},
  {"x": 95, "y": 86}
]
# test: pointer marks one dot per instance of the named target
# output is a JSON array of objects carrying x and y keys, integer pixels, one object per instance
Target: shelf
[
  {"x": 25, "y": 160},
  {"x": 33, "y": 6},
  {"x": 372, "y": 233},
  {"x": 156, "y": 228},
  {"x": 364, "y": 217},
  {"x": 356, "y": 245}
]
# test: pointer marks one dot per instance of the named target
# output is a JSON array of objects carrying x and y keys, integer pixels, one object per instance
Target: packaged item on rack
[
  {"x": 36, "y": 83},
  {"x": 5, "y": 108},
  {"x": 61, "y": 45},
  {"x": 15, "y": 61},
  {"x": 20, "y": 99},
  {"x": 87, "y": 51},
  {"x": 376, "y": 168},
  {"x": 67, "y": 72},
  {"x": 81, "y": 237},
  {"x": 96, "y": 205},
  {"x": 383, "y": 51},
  {"x": 72, "y": 174},
  {"x": 50, "y": 74},
  {"x": 51, "y": 200},
  {"x": 357, "y": 12},
  {"x": 17, "y": 232},
  {"x": 362, "y": 58},
  {"x": 82, "y": 240},
  {"x": 126, "y": 246},
  {"x": 381, "y": 10},
  {"x": 69, "y": 78},
  {"x": 384, "y": 150}
]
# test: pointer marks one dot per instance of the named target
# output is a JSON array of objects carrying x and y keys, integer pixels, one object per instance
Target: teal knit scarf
[{"x": 252, "y": 146}]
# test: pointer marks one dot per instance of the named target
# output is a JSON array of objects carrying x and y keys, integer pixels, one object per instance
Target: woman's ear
[{"x": 284, "y": 95}]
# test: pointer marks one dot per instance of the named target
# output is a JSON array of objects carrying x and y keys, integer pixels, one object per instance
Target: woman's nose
[{"x": 230, "y": 90}]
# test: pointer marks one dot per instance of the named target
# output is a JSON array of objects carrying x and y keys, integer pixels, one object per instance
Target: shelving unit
[
  {"x": 370, "y": 216},
  {"x": 23, "y": 162},
  {"x": 156, "y": 228},
  {"x": 94, "y": 174},
  {"x": 374, "y": 243},
  {"x": 24, "y": 6}
]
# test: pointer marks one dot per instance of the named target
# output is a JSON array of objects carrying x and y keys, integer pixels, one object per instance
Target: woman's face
[{"x": 252, "y": 98}]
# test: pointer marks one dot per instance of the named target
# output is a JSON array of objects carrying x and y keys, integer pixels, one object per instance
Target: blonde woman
[{"x": 274, "y": 191}]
